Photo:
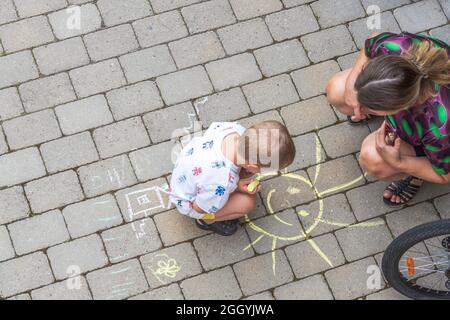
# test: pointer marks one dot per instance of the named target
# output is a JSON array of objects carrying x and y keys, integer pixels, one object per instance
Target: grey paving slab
[
  {"x": 252, "y": 8},
  {"x": 171, "y": 265},
  {"x": 313, "y": 288},
  {"x": 24, "y": 296},
  {"x": 17, "y": 68},
  {"x": 219, "y": 284},
  {"x": 385, "y": 4},
  {"x": 26, "y": 165},
  {"x": 27, "y": 235},
  {"x": 64, "y": 290},
  {"x": 266, "y": 295},
  {"x": 86, "y": 254},
  {"x": 12, "y": 105},
  {"x": 46, "y": 92},
  {"x": 442, "y": 33},
  {"x": 134, "y": 100},
  {"x": 172, "y": 292},
  {"x": 3, "y": 144},
  {"x": 387, "y": 294},
  {"x": 6, "y": 248},
  {"x": 27, "y": 8},
  {"x": 93, "y": 215},
  {"x": 329, "y": 14},
  {"x": 24, "y": 273},
  {"x": 261, "y": 117},
  {"x": 443, "y": 206},
  {"x": 117, "y": 11},
  {"x": 420, "y": 16},
  {"x": 164, "y": 5},
  {"x": 8, "y": 12}
]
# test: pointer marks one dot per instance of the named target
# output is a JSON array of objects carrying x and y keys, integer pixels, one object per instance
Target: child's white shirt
[{"x": 203, "y": 175}]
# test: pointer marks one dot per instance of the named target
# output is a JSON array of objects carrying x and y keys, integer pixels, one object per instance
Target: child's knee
[{"x": 249, "y": 204}]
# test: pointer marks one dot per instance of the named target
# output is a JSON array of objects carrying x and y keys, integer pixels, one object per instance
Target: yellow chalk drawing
[
  {"x": 166, "y": 266},
  {"x": 304, "y": 234}
]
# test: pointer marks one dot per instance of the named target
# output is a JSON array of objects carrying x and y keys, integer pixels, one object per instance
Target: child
[{"x": 211, "y": 182}]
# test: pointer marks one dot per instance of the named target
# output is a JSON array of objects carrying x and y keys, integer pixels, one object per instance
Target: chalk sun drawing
[{"x": 304, "y": 234}]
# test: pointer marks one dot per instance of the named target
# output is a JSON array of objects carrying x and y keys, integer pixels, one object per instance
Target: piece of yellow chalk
[
  {"x": 252, "y": 186},
  {"x": 209, "y": 216}
]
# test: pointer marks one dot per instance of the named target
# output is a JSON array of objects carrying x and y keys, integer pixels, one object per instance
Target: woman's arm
[{"x": 420, "y": 167}]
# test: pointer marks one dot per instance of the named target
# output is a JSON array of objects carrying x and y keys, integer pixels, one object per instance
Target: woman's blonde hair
[{"x": 394, "y": 83}]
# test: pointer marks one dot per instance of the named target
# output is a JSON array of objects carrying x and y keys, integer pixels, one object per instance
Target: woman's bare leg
[
  {"x": 373, "y": 163},
  {"x": 237, "y": 206}
]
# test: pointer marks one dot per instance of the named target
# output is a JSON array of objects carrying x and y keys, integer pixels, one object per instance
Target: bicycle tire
[{"x": 400, "y": 246}]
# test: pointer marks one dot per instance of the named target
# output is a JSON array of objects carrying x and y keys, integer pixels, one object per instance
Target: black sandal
[
  {"x": 363, "y": 121},
  {"x": 223, "y": 228},
  {"x": 406, "y": 189}
]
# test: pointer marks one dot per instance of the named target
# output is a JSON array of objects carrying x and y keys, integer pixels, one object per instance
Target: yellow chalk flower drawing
[
  {"x": 304, "y": 235},
  {"x": 166, "y": 266}
]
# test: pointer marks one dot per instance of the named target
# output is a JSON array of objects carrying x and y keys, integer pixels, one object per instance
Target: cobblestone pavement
[{"x": 87, "y": 114}]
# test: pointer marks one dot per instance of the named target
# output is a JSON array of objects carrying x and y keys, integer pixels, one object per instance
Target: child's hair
[
  {"x": 269, "y": 139},
  {"x": 394, "y": 83}
]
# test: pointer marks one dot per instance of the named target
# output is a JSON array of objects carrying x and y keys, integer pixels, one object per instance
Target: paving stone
[
  {"x": 344, "y": 288},
  {"x": 144, "y": 160},
  {"x": 343, "y": 139},
  {"x": 313, "y": 288},
  {"x": 240, "y": 69},
  {"x": 24, "y": 273},
  {"x": 118, "y": 11},
  {"x": 348, "y": 61},
  {"x": 328, "y": 44},
  {"x": 69, "y": 152},
  {"x": 83, "y": 114},
  {"x": 8, "y": 12},
  {"x": 147, "y": 63},
  {"x": 223, "y": 106},
  {"x": 336, "y": 214},
  {"x": 27, "y": 8},
  {"x": 406, "y": 219},
  {"x": 361, "y": 31},
  {"x": 184, "y": 85},
  {"x": 420, "y": 16},
  {"x": 31, "y": 129},
  {"x": 244, "y": 36},
  {"x": 107, "y": 175},
  {"x": 219, "y": 284},
  {"x": 384, "y": 4},
  {"x": 216, "y": 251},
  {"x": 387, "y": 294},
  {"x": 96, "y": 78},
  {"x": 181, "y": 260},
  {"x": 11, "y": 104},
  {"x": 46, "y": 92},
  {"x": 270, "y": 93},
  {"x": 160, "y": 28},
  {"x": 134, "y": 100},
  {"x": 294, "y": 3},
  {"x": 308, "y": 115},
  {"x": 119, "y": 281},
  {"x": 266, "y": 295},
  {"x": 286, "y": 191},
  {"x": 24, "y": 296},
  {"x": 337, "y": 175},
  {"x": 261, "y": 117},
  {"x": 174, "y": 227},
  {"x": 25, "y": 165},
  {"x": 306, "y": 260},
  {"x": 172, "y": 292},
  {"x": 171, "y": 122},
  {"x": 27, "y": 235},
  {"x": 90, "y": 20},
  {"x": 114, "y": 139},
  {"x": 446, "y": 7},
  {"x": 370, "y": 240},
  {"x": 208, "y": 15},
  {"x": 111, "y": 42},
  {"x": 442, "y": 204},
  {"x": 280, "y": 230},
  {"x": 61, "y": 291},
  {"x": 143, "y": 200},
  {"x": 91, "y": 216},
  {"x": 164, "y": 5},
  {"x": 292, "y": 23},
  {"x": 25, "y": 34},
  {"x": 442, "y": 33},
  {"x": 246, "y": 9},
  {"x": 430, "y": 191},
  {"x": 131, "y": 240},
  {"x": 312, "y": 81},
  {"x": 53, "y": 191},
  {"x": 86, "y": 254},
  {"x": 17, "y": 68},
  {"x": 191, "y": 51},
  {"x": 281, "y": 57},
  {"x": 261, "y": 273},
  {"x": 329, "y": 14},
  {"x": 6, "y": 248},
  {"x": 366, "y": 201},
  {"x": 3, "y": 145}
]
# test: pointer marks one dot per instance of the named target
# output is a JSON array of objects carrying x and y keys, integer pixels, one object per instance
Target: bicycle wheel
[{"x": 417, "y": 263}]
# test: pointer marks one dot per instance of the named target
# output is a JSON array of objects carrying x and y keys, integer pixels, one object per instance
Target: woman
[{"x": 404, "y": 77}]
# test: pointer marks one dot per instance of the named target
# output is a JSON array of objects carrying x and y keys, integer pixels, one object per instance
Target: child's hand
[{"x": 249, "y": 186}]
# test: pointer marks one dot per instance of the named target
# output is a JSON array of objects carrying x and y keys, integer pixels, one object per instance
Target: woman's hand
[
  {"x": 243, "y": 186},
  {"x": 390, "y": 154}
]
